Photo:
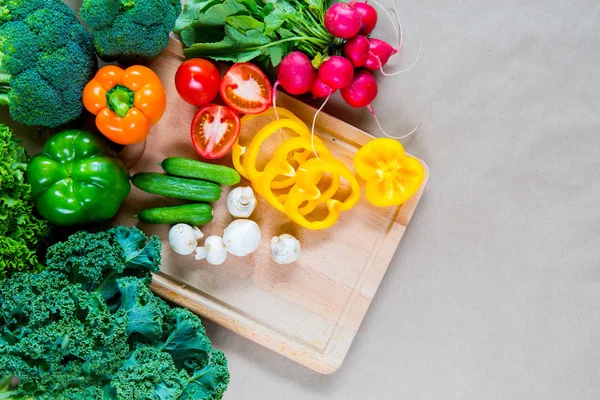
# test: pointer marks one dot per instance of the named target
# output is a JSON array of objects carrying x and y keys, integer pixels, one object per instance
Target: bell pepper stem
[{"x": 119, "y": 100}]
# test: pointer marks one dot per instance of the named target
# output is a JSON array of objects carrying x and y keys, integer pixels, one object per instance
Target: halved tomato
[
  {"x": 246, "y": 89},
  {"x": 214, "y": 130}
]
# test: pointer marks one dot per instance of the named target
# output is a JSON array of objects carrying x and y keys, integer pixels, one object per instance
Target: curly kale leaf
[
  {"x": 97, "y": 260},
  {"x": 66, "y": 336},
  {"x": 56, "y": 335},
  {"x": 20, "y": 230}
]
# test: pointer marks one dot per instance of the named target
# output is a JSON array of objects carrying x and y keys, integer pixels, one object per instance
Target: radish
[
  {"x": 342, "y": 21},
  {"x": 357, "y": 50},
  {"x": 337, "y": 72},
  {"x": 379, "y": 54},
  {"x": 320, "y": 89},
  {"x": 362, "y": 91},
  {"x": 368, "y": 17},
  {"x": 296, "y": 73}
]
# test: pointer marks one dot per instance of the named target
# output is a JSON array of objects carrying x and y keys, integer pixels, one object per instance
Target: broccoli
[
  {"x": 67, "y": 338},
  {"x": 130, "y": 31},
  {"x": 46, "y": 59}
]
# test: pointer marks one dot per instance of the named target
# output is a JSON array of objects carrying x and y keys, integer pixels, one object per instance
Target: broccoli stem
[
  {"x": 4, "y": 89},
  {"x": 127, "y": 4},
  {"x": 5, "y": 382},
  {"x": 4, "y": 77}
]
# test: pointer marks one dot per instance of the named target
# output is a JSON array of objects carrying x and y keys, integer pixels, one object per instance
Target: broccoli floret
[
  {"x": 130, "y": 31},
  {"x": 46, "y": 58}
]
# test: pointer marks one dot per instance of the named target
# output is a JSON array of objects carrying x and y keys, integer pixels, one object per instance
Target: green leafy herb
[{"x": 245, "y": 30}]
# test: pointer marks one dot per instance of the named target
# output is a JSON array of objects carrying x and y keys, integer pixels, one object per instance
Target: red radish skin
[
  {"x": 368, "y": 17},
  {"x": 379, "y": 54},
  {"x": 321, "y": 90},
  {"x": 337, "y": 72},
  {"x": 296, "y": 73},
  {"x": 342, "y": 21},
  {"x": 362, "y": 91},
  {"x": 357, "y": 50}
]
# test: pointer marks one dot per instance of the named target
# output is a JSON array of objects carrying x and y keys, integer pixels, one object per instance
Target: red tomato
[
  {"x": 197, "y": 81},
  {"x": 214, "y": 130},
  {"x": 246, "y": 89}
]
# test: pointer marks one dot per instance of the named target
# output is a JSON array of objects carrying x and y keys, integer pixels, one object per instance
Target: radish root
[
  {"x": 275, "y": 99},
  {"x": 390, "y": 136},
  {"x": 401, "y": 71},
  {"x": 312, "y": 129},
  {"x": 398, "y": 33},
  {"x": 401, "y": 42},
  {"x": 275, "y": 107}
]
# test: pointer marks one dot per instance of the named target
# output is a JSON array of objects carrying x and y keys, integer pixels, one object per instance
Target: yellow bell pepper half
[{"x": 392, "y": 177}]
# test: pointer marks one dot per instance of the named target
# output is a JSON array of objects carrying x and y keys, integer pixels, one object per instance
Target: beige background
[{"x": 494, "y": 292}]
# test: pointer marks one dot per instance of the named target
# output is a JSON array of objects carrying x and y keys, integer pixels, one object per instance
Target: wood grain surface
[{"x": 309, "y": 311}]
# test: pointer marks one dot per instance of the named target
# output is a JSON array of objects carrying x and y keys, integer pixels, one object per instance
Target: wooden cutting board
[{"x": 309, "y": 311}]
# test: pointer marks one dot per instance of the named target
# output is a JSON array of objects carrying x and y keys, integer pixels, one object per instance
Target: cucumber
[
  {"x": 193, "y": 214},
  {"x": 188, "y": 168},
  {"x": 177, "y": 188}
]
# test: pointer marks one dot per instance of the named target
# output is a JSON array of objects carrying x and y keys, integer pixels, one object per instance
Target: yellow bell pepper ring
[
  {"x": 252, "y": 150},
  {"x": 280, "y": 166},
  {"x": 305, "y": 190},
  {"x": 392, "y": 177},
  {"x": 238, "y": 151}
]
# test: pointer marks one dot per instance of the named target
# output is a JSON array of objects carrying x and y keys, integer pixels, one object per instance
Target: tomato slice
[
  {"x": 214, "y": 130},
  {"x": 246, "y": 89}
]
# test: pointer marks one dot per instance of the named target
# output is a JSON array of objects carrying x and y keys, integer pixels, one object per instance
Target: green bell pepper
[{"x": 75, "y": 181}]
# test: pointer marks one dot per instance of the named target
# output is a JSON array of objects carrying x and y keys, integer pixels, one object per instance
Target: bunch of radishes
[{"x": 352, "y": 23}]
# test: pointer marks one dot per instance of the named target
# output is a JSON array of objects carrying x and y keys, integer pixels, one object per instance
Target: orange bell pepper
[
  {"x": 126, "y": 103},
  {"x": 392, "y": 176}
]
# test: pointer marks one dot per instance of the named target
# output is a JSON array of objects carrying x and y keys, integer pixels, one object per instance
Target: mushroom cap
[
  {"x": 183, "y": 239},
  {"x": 285, "y": 249},
  {"x": 242, "y": 237}
]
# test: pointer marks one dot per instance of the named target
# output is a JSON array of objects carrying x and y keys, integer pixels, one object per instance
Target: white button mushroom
[
  {"x": 183, "y": 238},
  {"x": 241, "y": 202},
  {"x": 285, "y": 249},
  {"x": 242, "y": 237},
  {"x": 214, "y": 251}
]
